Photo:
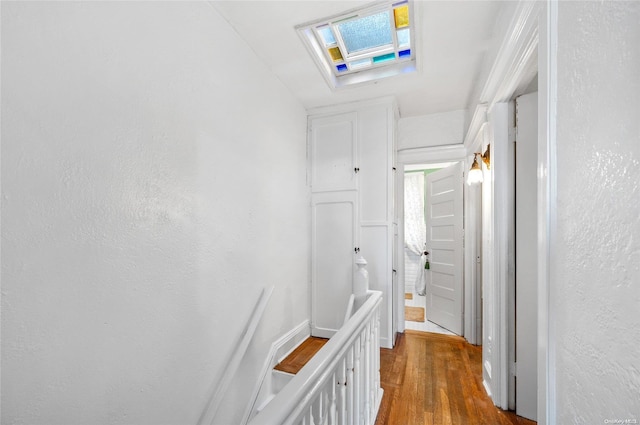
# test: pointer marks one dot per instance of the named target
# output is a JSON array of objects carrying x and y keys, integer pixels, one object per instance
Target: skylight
[{"x": 363, "y": 45}]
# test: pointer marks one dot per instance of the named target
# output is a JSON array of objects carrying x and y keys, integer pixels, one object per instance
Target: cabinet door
[
  {"x": 333, "y": 153},
  {"x": 333, "y": 240},
  {"x": 375, "y": 163},
  {"x": 375, "y": 244}
]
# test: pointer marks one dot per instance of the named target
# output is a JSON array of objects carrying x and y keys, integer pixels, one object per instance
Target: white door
[
  {"x": 333, "y": 239},
  {"x": 444, "y": 287},
  {"x": 526, "y": 256}
]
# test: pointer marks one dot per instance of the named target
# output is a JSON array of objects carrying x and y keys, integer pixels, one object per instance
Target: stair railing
[
  {"x": 240, "y": 348},
  {"x": 340, "y": 385}
]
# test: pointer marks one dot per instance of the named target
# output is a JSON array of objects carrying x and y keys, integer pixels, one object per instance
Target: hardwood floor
[{"x": 434, "y": 379}]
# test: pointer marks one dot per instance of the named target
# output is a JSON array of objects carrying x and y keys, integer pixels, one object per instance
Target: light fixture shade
[
  {"x": 475, "y": 173},
  {"x": 475, "y": 176}
]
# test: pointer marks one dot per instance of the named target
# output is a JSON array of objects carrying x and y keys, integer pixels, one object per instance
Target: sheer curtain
[
  {"x": 415, "y": 230},
  {"x": 414, "y": 227}
]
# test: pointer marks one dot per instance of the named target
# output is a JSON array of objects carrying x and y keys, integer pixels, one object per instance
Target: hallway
[{"x": 426, "y": 380}]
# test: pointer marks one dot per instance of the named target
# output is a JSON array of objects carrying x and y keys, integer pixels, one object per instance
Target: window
[{"x": 363, "y": 45}]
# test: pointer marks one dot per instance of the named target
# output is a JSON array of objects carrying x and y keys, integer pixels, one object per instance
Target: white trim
[
  {"x": 473, "y": 138},
  {"x": 513, "y": 63},
  {"x": 400, "y": 275},
  {"x": 472, "y": 277},
  {"x": 502, "y": 199},
  {"x": 515, "y": 52},
  {"x": 289, "y": 342},
  {"x": 547, "y": 172},
  {"x": 342, "y": 108},
  {"x": 238, "y": 352},
  {"x": 426, "y": 155},
  {"x": 445, "y": 153}
]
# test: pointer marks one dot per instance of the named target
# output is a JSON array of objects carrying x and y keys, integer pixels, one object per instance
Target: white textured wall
[
  {"x": 445, "y": 128},
  {"x": 596, "y": 279},
  {"x": 153, "y": 181}
]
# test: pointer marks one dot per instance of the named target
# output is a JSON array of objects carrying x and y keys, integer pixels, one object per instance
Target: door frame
[
  {"x": 412, "y": 156},
  {"x": 530, "y": 42}
]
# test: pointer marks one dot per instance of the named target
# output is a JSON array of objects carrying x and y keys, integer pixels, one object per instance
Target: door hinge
[
  {"x": 513, "y": 132},
  {"x": 513, "y": 370}
]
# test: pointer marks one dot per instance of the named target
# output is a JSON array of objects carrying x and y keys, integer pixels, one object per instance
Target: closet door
[
  {"x": 333, "y": 243},
  {"x": 333, "y": 150}
]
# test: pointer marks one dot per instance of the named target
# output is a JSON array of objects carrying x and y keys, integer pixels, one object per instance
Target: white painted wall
[
  {"x": 446, "y": 128},
  {"x": 595, "y": 274},
  {"x": 153, "y": 182}
]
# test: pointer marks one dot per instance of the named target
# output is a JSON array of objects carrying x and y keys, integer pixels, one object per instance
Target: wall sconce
[
  {"x": 475, "y": 173},
  {"x": 486, "y": 157}
]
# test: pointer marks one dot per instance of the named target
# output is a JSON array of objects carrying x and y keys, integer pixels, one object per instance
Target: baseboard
[
  {"x": 487, "y": 389},
  {"x": 280, "y": 349},
  {"x": 290, "y": 341}
]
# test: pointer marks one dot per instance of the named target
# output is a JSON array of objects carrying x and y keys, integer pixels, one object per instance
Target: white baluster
[
  {"x": 316, "y": 412},
  {"x": 367, "y": 374},
  {"x": 363, "y": 375},
  {"x": 377, "y": 354},
  {"x": 357, "y": 419},
  {"x": 375, "y": 347},
  {"x": 333, "y": 382},
  {"x": 342, "y": 391},
  {"x": 326, "y": 403},
  {"x": 351, "y": 385}
]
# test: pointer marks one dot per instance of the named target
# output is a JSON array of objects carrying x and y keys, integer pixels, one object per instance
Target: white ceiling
[{"x": 454, "y": 36}]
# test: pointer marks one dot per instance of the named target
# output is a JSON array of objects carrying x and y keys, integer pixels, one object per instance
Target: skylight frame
[{"x": 401, "y": 63}]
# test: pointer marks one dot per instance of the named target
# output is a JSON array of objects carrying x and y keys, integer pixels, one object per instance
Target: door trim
[
  {"x": 426, "y": 155},
  {"x": 532, "y": 29}
]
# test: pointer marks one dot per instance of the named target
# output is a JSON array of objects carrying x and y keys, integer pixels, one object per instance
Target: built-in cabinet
[{"x": 352, "y": 178}]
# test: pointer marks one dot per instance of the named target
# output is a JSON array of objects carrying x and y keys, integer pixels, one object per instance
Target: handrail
[
  {"x": 236, "y": 356},
  {"x": 341, "y": 382},
  {"x": 349, "y": 312}
]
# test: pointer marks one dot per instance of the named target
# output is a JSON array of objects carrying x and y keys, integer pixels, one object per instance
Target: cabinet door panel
[
  {"x": 374, "y": 151},
  {"x": 375, "y": 245},
  {"x": 333, "y": 153},
  {"x": 333, "y": 241}
]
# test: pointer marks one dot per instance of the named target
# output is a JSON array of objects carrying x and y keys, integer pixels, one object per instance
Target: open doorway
[{"x": 429, "y": 292}]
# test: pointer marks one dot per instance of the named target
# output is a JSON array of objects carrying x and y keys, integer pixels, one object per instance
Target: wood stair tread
[{"x": 301, "y": 355}]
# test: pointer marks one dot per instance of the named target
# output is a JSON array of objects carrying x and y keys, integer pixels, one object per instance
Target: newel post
[{"x": 360, "y": 283}]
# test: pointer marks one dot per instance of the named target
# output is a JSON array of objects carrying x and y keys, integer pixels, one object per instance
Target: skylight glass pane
[
  {"x": 366, "y": 33},
  {"x": 384, "y": 58},
  {"x": 404, "y": 38},
  {"x": 401, "y": 16},
  {"x": 335, "y": 54},
  {"x": 327, "y": 36},
  {"x": 362, "y": 63}
]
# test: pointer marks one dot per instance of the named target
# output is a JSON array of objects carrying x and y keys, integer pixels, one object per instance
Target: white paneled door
[
  {"x": 333, "y": 238},
  {"x": 444, "y": 286}
]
